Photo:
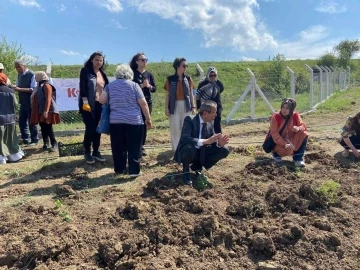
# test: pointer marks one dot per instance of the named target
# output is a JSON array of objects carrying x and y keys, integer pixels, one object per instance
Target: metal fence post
[
  {"x": 320, "y": 82},
  {"x": 311, "y": 86},
  {"x": 292, "y": 84}
]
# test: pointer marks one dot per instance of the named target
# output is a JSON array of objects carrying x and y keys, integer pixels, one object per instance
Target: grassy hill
[{"x": 232, "y": 74}]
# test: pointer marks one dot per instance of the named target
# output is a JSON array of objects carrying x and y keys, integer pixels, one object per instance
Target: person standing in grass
[
  {"x": 146, "y": 82},
  {"x": 92, "y": 82},
  {"x": 179, "y": 101},
  {"x": 45, "y": 110},
  {"x": 9, "y": 145},
  {"x": 211, "y": 89},
  {"x": 351, "y": 136}
]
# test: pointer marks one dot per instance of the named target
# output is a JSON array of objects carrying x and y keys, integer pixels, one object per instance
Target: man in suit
[{"x": 199, "y": 145}]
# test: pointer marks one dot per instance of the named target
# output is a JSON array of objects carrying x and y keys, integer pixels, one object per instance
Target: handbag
[
  {"x": 269, "y": 143},
  {"x": 104, "y": 123}
]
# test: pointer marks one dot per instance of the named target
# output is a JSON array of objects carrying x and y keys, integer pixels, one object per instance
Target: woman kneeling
[
  {"x": 293, "y": 138},
  {"x": 351, "y": 136}
]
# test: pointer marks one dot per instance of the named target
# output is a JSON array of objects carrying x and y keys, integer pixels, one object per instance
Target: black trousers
[
  {"x": 126, "y": 141},
  {"x": 191, "y": 155},
  {"x": 47, "y": 133},
  {"x": 91, "y": 121},
  {"x": 217, "y": 123},
  {"x": 145, "y": 128},
  {"x": 355, "y": 140}
]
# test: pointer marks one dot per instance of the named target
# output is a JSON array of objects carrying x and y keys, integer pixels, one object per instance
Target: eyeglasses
[
  {"x": 143, "y": 60},
  {"x": 184, "y": 66},
  {"x": 212, "y": 76}
]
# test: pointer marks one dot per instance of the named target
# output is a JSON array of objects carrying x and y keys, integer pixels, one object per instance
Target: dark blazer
[
  {"x": 88, "y": 86},
  {"x": 190, "y": 134}
]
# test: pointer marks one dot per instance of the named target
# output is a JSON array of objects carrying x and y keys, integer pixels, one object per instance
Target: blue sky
[{"x": 68, "y": 31}]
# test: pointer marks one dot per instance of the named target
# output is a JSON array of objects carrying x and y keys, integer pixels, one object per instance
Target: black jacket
[
  {"x": 190, "y": 134},
  {"x": 88, "y": 86},
  {"x": 7, "y": 105},
  {"x": 139, "y": 78},
  {"x": 216, "y": 99}
]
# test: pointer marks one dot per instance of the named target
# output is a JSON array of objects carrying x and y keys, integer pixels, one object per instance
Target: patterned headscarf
[
  {"x": 291, "y": 103},
  {"x": 3, "y": 79}
]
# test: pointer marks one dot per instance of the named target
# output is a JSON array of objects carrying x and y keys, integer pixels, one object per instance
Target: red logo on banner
[{"x": 72, "y": 92}]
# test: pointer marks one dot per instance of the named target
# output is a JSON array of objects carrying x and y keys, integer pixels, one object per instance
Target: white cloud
[
  {"x": 61, "y": 8},
  {"x": 27, "y": 3},
  {"x": 110, "y": 5},
  {"x": 223, "y": 23},
  {"x": 117, "y": 25},
  {"x": 312, "y": 43},
  {"x": 247, "y": 59},
  {"x": 71, "y": 53},
  {"x": 331, "y": 7}
]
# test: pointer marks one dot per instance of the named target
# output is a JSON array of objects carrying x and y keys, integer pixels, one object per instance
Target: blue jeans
[
  {"x": 24, "y": 121},
  {"x": 299, "y": 154}
]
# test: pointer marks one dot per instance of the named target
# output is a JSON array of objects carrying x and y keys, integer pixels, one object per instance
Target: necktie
[{"x": 202, "y": 149}]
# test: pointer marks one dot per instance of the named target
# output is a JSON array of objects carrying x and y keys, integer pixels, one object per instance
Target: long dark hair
[
  {"x": 89, "y": 64},
  {"x": 177, "y": 62},
  {"x": 135, "y": 58},
  {"x": 355, "y": 122}
]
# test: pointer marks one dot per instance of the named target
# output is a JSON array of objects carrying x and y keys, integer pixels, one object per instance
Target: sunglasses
[
  {"x": 184, "y": 66},
  {"x": 212, "y": 76},
  {"x": 143, "y": 60}
]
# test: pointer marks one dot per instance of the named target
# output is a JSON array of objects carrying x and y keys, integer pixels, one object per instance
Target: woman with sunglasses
[
  {"x": 179, "y": 101},
  {"x": 210, "y": 89},
  {"x": 146, "y": 82},
  {"x": 293, "y": 138}
]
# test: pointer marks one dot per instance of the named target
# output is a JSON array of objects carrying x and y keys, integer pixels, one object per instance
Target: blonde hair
[{"x": 41, "y": 76}]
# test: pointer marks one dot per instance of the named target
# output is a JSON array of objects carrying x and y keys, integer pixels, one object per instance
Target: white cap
[{"x": 1, "y": 66}]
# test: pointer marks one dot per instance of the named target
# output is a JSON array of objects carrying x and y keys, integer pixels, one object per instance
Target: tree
[
  {"x": 346, "y": 49},
  {"x": 328, "y": 59},
  {"x": 8, "y": 53}
]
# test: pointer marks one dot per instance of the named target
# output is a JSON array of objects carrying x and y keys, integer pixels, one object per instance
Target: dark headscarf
[{"x": 291, "y": 103}]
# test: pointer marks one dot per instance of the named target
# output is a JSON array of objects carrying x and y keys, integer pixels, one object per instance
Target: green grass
[
  {"x": 329, "y": 191},
  {"x": 232, "y": 74}
]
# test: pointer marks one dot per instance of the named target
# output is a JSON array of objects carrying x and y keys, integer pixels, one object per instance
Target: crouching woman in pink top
[{"x": 293, "y": 138}]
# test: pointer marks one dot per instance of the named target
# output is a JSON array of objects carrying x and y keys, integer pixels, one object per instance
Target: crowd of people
[{"x": 196, "y": 134}]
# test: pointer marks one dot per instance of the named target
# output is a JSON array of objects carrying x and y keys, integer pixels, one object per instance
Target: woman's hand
[
  {"x": 45, "y": 114},
  {"x": 296, "y": 129},
  {"x": 193, "y": 110},
  {"x": 167, "y": 112},
  {"x": 356, "y": 153},
  {"x": 148, "y": 123},
  {"x": 289, "y": 146}
]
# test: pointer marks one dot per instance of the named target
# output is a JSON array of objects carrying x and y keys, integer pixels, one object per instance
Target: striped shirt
[{"x": 123, "y": 100}]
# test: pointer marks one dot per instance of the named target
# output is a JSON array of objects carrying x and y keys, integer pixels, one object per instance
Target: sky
[{"x": 68, "y": 31}]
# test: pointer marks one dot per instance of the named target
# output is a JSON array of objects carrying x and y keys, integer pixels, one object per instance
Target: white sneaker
[
  {"x": 2, "y": 161},
  {"x": 299, "y": 163},
  {"x": 135, "y": 175}
]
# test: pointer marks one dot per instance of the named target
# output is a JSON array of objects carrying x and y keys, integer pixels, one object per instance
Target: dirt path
[{"x": 64, "y": 214}]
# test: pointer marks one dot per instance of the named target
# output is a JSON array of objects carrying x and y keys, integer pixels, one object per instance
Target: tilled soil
[{"x": 254, "y": 214}]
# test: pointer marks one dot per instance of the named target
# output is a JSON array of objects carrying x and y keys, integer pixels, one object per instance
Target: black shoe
[
  {"x": 187, "y": 179},
  {"x": 45, "y": 147},
  {"x": 89, "y": 159},
  {"x": 98, "y": 156},
  {"x": 54, "y": 148},
  {"x": 195, "y": 167}
]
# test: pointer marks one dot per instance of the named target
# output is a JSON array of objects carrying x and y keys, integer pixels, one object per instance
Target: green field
[{"x": 232, "y": 74}]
